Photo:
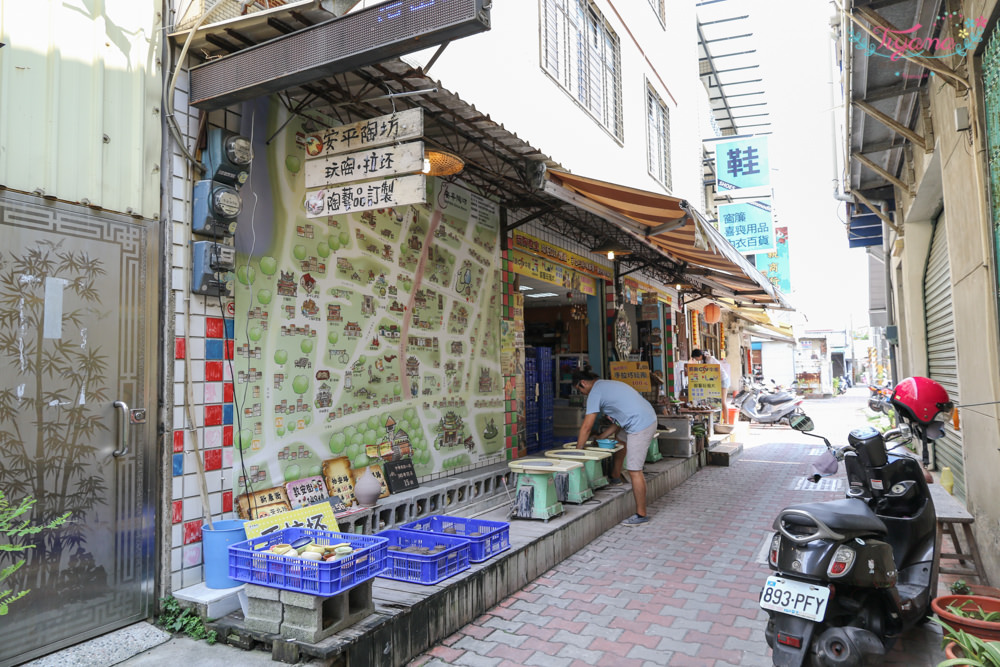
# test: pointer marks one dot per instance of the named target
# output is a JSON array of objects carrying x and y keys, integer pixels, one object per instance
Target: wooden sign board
[
  {"x": 354, "y": 197},
  {"x": 365, "y": 165},
  {"x": 316, "y": 517},
  {"x": 400, "y": 475},
  {"x": 339, "y": 479},
  {"x": 633, "y": 373},
  {"x": 704, "y": 381},
  {"x": 378, "y": 131},
  {"x": 308, "y": 491},
  {"x": 262, "y": 503}
]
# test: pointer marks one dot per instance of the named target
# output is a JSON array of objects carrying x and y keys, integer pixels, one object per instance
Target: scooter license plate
[{"x": 795, "y": 598}]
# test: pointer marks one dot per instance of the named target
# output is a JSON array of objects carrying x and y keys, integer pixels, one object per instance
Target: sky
[{"x": 829, "y": 280}]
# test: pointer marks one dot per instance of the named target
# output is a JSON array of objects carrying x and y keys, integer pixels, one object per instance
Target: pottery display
[{"x": 367, "y": 489}]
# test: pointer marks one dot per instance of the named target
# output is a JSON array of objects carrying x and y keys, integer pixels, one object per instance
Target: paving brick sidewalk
[{"x": 680, "y": 590}]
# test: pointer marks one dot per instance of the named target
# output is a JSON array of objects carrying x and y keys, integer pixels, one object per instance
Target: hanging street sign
[
  {"x": 354, "y": 197},
  {"x": 747, "y": 226},
  {"x": 378, "y": 131},
  {"x": 365, "y": 164},
  {"x": 742, "y": 163},
  {"x": 774, "y": 265}
]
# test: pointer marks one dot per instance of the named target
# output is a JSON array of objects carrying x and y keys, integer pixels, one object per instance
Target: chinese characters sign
[
  {"x": 633, "y": 373},
  {"x": 366, "y": 164},
  {"x": 354, "y": 197},
  {"x": 704, "y": 381},
  {"x": 315, "y": 517},
  {"x": 747, "y": 226},
  {"x": 370, "y": 133},
  {"x": 774, "y": 265},
  {"x": 742, "y": 163}
]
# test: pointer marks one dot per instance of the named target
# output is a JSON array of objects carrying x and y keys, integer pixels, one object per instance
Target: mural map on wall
[{"x": 371, "y": 335}]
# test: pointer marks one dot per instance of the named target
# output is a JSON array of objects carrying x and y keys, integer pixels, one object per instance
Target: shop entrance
[{"x": 562, "y": 332}]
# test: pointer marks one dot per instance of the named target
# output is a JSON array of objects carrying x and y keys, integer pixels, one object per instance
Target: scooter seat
[
  {"x": 849, "y": 515},
  {"x": 775, "y": 399}
]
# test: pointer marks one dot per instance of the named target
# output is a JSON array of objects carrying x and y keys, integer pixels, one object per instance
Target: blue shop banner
[
  {"x": 774, "y": 265},
  {"x": 742, "y": 163},
  {"x": 747, "y": 226}
]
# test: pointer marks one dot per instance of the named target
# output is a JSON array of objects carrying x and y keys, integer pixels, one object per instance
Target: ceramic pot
[
  {"x": 367, "y": 489},
  {"x": 953, "y": 651},
  {"x": 982, "y": 629}
]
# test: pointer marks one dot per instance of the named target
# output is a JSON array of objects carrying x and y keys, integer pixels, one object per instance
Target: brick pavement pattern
[{"x": 680, "y": 590}]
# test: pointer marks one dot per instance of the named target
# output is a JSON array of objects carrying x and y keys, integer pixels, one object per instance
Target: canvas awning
[{"x": 674, "y": 228}]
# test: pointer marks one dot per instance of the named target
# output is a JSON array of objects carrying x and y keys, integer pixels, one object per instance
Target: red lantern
[{"x": 713, "y": 314}]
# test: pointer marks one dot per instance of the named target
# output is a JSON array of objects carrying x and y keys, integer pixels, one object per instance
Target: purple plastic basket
[
  {"x": 486, "y": 538},
  {"x": 252, "y": 563},
  {"x": 424, "y": 568}
]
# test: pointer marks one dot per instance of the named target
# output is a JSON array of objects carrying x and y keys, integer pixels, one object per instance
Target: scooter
[
  {"x": 754, "y": 406},
  {"x": 851, "y": 575}
]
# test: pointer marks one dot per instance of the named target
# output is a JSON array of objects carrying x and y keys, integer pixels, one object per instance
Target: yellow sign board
[
  {"x": 316, "y": 517},
  {"x": 633, "y": 373},
  {"x": 704, "y": 381},
  {"x": 539, "y": 247}
]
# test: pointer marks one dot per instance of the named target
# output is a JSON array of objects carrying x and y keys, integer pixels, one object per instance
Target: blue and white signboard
[
  {"x": 747, "y": 226},
  {"x": 742, "y": 163}
]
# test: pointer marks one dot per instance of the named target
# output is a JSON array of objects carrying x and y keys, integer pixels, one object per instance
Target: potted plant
[
  {"x": 961, "y": 648},
  {"x": 975, "y": 615},
  {"x": 960, "y": 587}
]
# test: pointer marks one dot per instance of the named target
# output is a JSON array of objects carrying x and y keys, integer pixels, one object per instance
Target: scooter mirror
[{"x": 801, "y": 423}]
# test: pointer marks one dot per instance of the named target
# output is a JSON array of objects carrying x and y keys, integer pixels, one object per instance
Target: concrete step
[{"x": 724, "y": 453}]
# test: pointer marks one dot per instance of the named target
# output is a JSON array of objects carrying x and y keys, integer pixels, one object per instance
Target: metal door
[
  {"x": 942, "y": 361},
  {"x": 78, "y": 335}
]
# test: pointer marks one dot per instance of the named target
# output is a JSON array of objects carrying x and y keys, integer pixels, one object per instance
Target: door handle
[{"x": 122, "y": 429}]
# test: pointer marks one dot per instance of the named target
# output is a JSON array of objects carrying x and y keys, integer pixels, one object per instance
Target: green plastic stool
[
  {"x": 536, "y": 480},
  {"x": 653, "y": 453},
  {"x": 591, "y": 461}
]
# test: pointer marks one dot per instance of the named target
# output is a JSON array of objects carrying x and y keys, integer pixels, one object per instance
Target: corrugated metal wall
[{"x": 80, "y": 89}]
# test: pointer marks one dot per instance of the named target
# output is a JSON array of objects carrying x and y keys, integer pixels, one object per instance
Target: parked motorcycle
[
  {"x": 756, "y": 406},
  {"x": 851, "y": 575}
]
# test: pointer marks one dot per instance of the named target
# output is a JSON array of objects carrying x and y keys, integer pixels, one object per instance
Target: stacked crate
[
  {"x": 531, "y": 423},
  {"x": 546, "y": 394}
]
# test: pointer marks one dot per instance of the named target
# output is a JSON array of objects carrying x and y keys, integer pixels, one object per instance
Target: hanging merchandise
[{"x": 623, "y": 334}]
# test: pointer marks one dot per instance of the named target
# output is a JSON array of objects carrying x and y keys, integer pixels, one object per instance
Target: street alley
[{"x": 681, "y": 590}]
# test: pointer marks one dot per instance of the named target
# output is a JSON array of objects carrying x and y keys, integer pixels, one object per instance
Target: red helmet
[{"x": 922, "y": 400}]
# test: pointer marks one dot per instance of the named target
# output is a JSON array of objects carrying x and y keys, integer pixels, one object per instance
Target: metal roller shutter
[{"x": 942, "y": 361}]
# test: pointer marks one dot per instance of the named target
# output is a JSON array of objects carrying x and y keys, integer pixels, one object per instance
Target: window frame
[
  {"x": 581, "y": 53},
  {"x": 659, "y": 8},
  {"x": 660, "y": 125}
]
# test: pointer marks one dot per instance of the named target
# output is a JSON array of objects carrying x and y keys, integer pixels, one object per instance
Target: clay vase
[{"x": 367, "y": 489}]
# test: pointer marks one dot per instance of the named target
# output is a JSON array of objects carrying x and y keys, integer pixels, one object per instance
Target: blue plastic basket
[
  {"x": 252, "y": 563},
  {"x": 486, "y": 538},
  {"x": 424, "y": 568}
]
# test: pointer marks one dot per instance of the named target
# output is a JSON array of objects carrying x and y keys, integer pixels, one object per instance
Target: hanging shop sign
[
  {"x": 633, "y": 373},
  {"x": 650, "y": 306},
  {"x": 704, "y": 381},
  {"x": 517, "y": 310},
  {"x": 355, "y": 197},
  {"x": 523, "y": 241},
  {"x": 742, "y": 163},
  {"x": 526, "y": 264},
  {"x": 747, "y": 226},
  {"x": 774, "y": 265},
  {"x": 378, "y": 131},
  {"x": 366, "y": 164}
]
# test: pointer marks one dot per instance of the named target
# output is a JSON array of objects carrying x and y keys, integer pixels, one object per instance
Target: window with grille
[
  {"x": 582, "y": 53},
  {"x": 657, "y": 6},
  {"x": 658, "y": 138}
]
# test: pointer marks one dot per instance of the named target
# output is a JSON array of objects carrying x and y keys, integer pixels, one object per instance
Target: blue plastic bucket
[{"x": 215, "y": 543}]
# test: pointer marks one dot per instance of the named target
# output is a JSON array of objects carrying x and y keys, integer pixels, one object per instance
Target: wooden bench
[{"x": 950, "y": 512}]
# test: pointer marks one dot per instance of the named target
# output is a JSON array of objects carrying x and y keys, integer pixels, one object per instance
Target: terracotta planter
[
  {"x": 981, "y": 629},
  {"x": 953, "y": 651},
  {"x": 984, "y": 591}
]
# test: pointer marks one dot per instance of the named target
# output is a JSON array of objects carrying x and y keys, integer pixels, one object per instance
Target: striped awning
[{"x": 675, "y": 229}]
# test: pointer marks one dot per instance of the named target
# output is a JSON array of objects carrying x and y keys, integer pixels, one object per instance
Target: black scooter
[{"x": 851, "y": 575}]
